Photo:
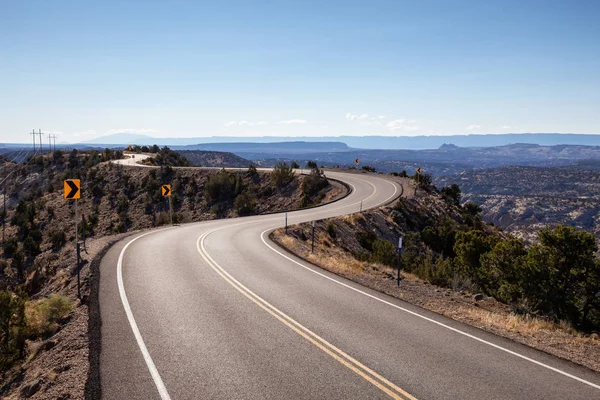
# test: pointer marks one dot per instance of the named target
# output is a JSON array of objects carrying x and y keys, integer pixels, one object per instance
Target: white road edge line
[
  {"x": 160, "y": 386},
  {"x": 427, "y": 318}
]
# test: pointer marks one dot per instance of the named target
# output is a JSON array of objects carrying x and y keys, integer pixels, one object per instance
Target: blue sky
[{"x": 303, "y": 68}]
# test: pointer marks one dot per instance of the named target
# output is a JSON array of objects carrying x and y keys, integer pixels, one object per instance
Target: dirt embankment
[
  {"x": 57, "y": 366},
  {"x": 338, "y": 250}
]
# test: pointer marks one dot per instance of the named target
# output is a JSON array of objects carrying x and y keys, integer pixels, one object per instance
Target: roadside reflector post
[
  {"x": 399, "y": 258},
  {"x": 286, "y": 223},
  {"x": 170, "y": 210},
  {"x": 361, "y": 206},
  {"x": 313, "y": 238}
]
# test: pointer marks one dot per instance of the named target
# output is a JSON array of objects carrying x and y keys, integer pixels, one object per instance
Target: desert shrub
[
  {"x": 10, "y": 246},
  {"x": 31, "y": 244},
  {"x": 220, "y": 187},
  {"x": 503, "y": 268},
  {"x": 440, "y": 237},
  {"x": 424, "y": 179},
  {"x": 311, "y": 164},
  {"x": 562, "y": 276},
  {"x": 12, "y": 328},
  {"x": 452, "y": 194},
  {"x": 282, "y": 175},
  {"x": 384, "y": 252},
  {"x": 366, "y": 239},
  {"x": 436, "y": 270},
  {"x": 252, "y": 172},
  {"x": 245, "y": 203},
  {"x": 58, "y": 239},
  {"x": 330, "y": 229},
  {"x": 314, "y": 182},
  {"x": 294, "y": 165},
  {"x": 122, "y": 204},
  {"x": 469, "y": 247},
  {"x": 43, "y": 316},
  {"x": 472, "y": 209},
  {"x": 368, "y": 168}
]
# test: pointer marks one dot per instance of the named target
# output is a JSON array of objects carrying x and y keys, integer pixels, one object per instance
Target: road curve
[{"x": 214, "y": 310}]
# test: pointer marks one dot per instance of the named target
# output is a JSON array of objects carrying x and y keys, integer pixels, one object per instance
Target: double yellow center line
[{"x": 360, "y": 369}]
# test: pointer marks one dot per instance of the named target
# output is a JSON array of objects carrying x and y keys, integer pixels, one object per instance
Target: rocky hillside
[{"x": 41, "y": 319}]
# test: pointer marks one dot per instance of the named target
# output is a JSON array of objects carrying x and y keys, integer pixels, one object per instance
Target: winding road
[{"x": 214, "y": 310}]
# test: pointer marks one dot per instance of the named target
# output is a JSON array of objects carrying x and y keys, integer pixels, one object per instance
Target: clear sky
[{"x": 84, "y": 69}]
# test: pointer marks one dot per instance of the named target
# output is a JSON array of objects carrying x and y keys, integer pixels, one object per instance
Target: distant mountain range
[{"x": 366, "y": 142}]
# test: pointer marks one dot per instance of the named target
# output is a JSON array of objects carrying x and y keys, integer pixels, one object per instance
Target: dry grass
[{"x": 43, "y": 315}]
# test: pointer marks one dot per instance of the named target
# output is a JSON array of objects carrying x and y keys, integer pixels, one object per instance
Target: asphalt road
[{"x": 214, "y": 310}]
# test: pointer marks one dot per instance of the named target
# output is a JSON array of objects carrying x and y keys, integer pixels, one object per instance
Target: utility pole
[
  {"x": 33, "y": 133},
  {"x": 41, "y": 149},
  {"x": 54, "y": 140},
  {"x": 50, "y": 142}
]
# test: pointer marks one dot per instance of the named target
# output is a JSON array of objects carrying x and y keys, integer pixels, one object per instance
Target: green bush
[
  {"x": 10, "y": 246},
  {"x": 452, "y": 194},
  {"x": 245, "y": 203},
  {"x": 384, "y": 252},
  {"x": 12, "y": 328},
  {"x": 282, "y": 175},
  {"x": 503, "y": 266},
  {"x": 562, "y": 276},
  {"x": 469, "y": 247},
  {"x": 252, "y": 172},
  {"x": 220, "y": 187},
  {"x": 366, "y": 239},
  {"x": 58, "y": 239},
  {"x": 314, "y": 182},
  {"x": 330, "y": 229}
]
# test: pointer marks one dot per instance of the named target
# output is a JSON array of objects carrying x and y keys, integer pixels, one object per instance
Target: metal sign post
[
  {"x": 399, "y": 258},
  {"x": 166, "y": 192},
  {"x": 313, "y": 238},
  {"x": 72, "y": 191}
]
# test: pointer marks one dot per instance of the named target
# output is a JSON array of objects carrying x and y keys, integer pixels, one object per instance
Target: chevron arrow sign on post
[{"x": 72, "y": 189}]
